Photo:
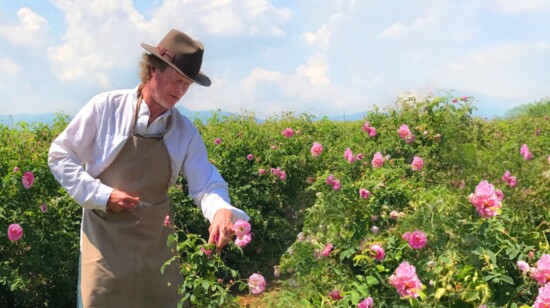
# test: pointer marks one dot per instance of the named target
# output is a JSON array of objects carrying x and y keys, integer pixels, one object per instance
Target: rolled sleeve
[{"x": 69, "y": 153}]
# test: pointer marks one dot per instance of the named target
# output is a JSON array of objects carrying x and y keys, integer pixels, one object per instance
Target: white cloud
[
  {"x": 398, "y": 30},
  {"x": 321, "y": 37},
  {"x": 30, "y": 30},
  {"x": 316, "y": 70},
  {"x": 9, "y": 67},
  {"x": 513, "y": 70}
]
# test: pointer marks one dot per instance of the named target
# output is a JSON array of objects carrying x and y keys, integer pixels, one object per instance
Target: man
[{"x": 117, "y": 158}]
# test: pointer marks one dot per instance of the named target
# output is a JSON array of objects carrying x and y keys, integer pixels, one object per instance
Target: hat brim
[{"x": 201, "y": 79}]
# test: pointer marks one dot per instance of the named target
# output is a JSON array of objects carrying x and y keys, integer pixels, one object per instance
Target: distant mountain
[
  {"x": 12, "y": 120},
  {"x": 487, "y": 107}
]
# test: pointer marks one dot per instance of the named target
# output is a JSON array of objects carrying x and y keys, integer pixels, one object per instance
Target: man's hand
[
  {"x": 120, "y": 201},
  {"x": 221, "y": 229}
]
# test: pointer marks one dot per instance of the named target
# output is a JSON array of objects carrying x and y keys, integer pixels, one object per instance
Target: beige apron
[{"x": 122, "y": 253}]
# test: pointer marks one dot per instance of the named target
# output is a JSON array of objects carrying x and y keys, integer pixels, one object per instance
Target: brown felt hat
[{"x": 182, "y": 53}]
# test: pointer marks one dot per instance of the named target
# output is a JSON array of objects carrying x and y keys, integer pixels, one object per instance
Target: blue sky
[{"x": 320, "y": 57}]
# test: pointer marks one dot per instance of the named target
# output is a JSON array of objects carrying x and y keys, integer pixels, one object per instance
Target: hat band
[{"x": 167, "y": 54}]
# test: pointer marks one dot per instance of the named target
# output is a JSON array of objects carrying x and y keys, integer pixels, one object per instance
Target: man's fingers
[{"x": 225, "y": 238}]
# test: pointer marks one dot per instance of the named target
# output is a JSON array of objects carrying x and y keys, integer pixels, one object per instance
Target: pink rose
[
  {"x": 486, "y": 199},
  {"x": 377, "y": 252},
  {"x": 43, "y": 208},
  {"x": 417, "y": 163},
  {"x": 218, "y": 141},
  {"x": 363, "y": 193},
  {"x": 243, "y": 240},
  {"x": 371, "y": 131},
  {"x": 167, "y": 221},
  {"x": 335, "y": 295},
  {"x": 256, "y": 283},
  {"x": 327, "y": 249},
  {"x": 250, "y": 157},
  {"x": 377, "y": 160},
  {"x": 523, "y": 266},
  {"x": 405, "y": 280},
  {"x": 524, "y": 151},
  {"x": 366, "y": 303},
  {"x": 206, "y": 252},
  {"x": 405, "y": 133},
  {"x": 241, "y": 227},
  {"x": 543, "y": 298},
  {"x": 15, "y": 232},
  {"x": 417, "y": 239},
  {"x": 27, "y": 179},
  {"x": 374, "y": 229},
  {"x": 542, "y": 271},
  {"x": 316, "y": 149},
  {"x": 288, "y": 132},
  {"x": 348, "y": 155},
  {"x": 261, "y": 171}
]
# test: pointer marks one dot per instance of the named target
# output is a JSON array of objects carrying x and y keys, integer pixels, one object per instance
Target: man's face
[{"x": 168, "y": 87}]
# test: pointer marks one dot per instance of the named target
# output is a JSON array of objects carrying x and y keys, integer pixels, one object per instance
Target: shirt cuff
[
  {"x": 101, "y": 198},
  {"x": 214, "y": 202}
]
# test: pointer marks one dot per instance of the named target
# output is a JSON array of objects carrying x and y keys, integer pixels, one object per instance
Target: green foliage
[
  {"x": 468, "y": 260},
  {"x": 536, "y": 109}
]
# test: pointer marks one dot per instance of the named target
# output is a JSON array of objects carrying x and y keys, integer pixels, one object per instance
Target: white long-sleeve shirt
[{"x": 96, "y": 135}]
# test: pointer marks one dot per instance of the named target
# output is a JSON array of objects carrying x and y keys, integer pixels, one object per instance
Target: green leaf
[
  {"x": 507, "y": 279},
  {"x": 371, "y": 280}
]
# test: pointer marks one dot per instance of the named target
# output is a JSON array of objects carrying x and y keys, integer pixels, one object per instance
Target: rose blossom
[
  {"x": 509, "y": 179},
  {"x": 377, "y": 160},
  {"x": 417, "y": 163},
  {"x": 43, "y": 208},
  {"x": 16, "y": 169},
  {"x": 417, "y": 239},
  {"x": 405, "y": 280},
  {"x": 288, "y": 132},
  {"x": 206, "y": 252},
  {"x": 348, "y": 155},
  {"x": 335, "y": 295},
  {"x": 374, "y": 229},
  {"x": 27, "y": 179},
  {"x": 523, "y": 266},
  {"x": 279, "y": 173},
  {"x": 218, "y": 141},
  {"x": 524, "y": 151},
  {"x": 241, "y": 227},
  {"x": 369, "y": 129},
  {"x": 377, "y": 252},
  {"x": 542, "y": 271},
  {"x": 261, "y": 171},
  {"x": 316, "y": 149},
  {"x": 366, "y": 303},
  {"x": 405, "y": 133},
  {"x": 327, "y": 249},
  {"x": 363, "y": 193},
  {"x": 543, "y": 299},
  {"x": 250, "y": 157},
  {"x": 256, "y": 283},
  {"x": 15, "y": 232},
  {"x": 486, "y": 199},
  {"x": 243, "y": 240},
  {"x": 167, "y": 221}
]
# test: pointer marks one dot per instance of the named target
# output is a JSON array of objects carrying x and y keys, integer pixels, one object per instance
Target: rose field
[{"x": 420, "y": 204}]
